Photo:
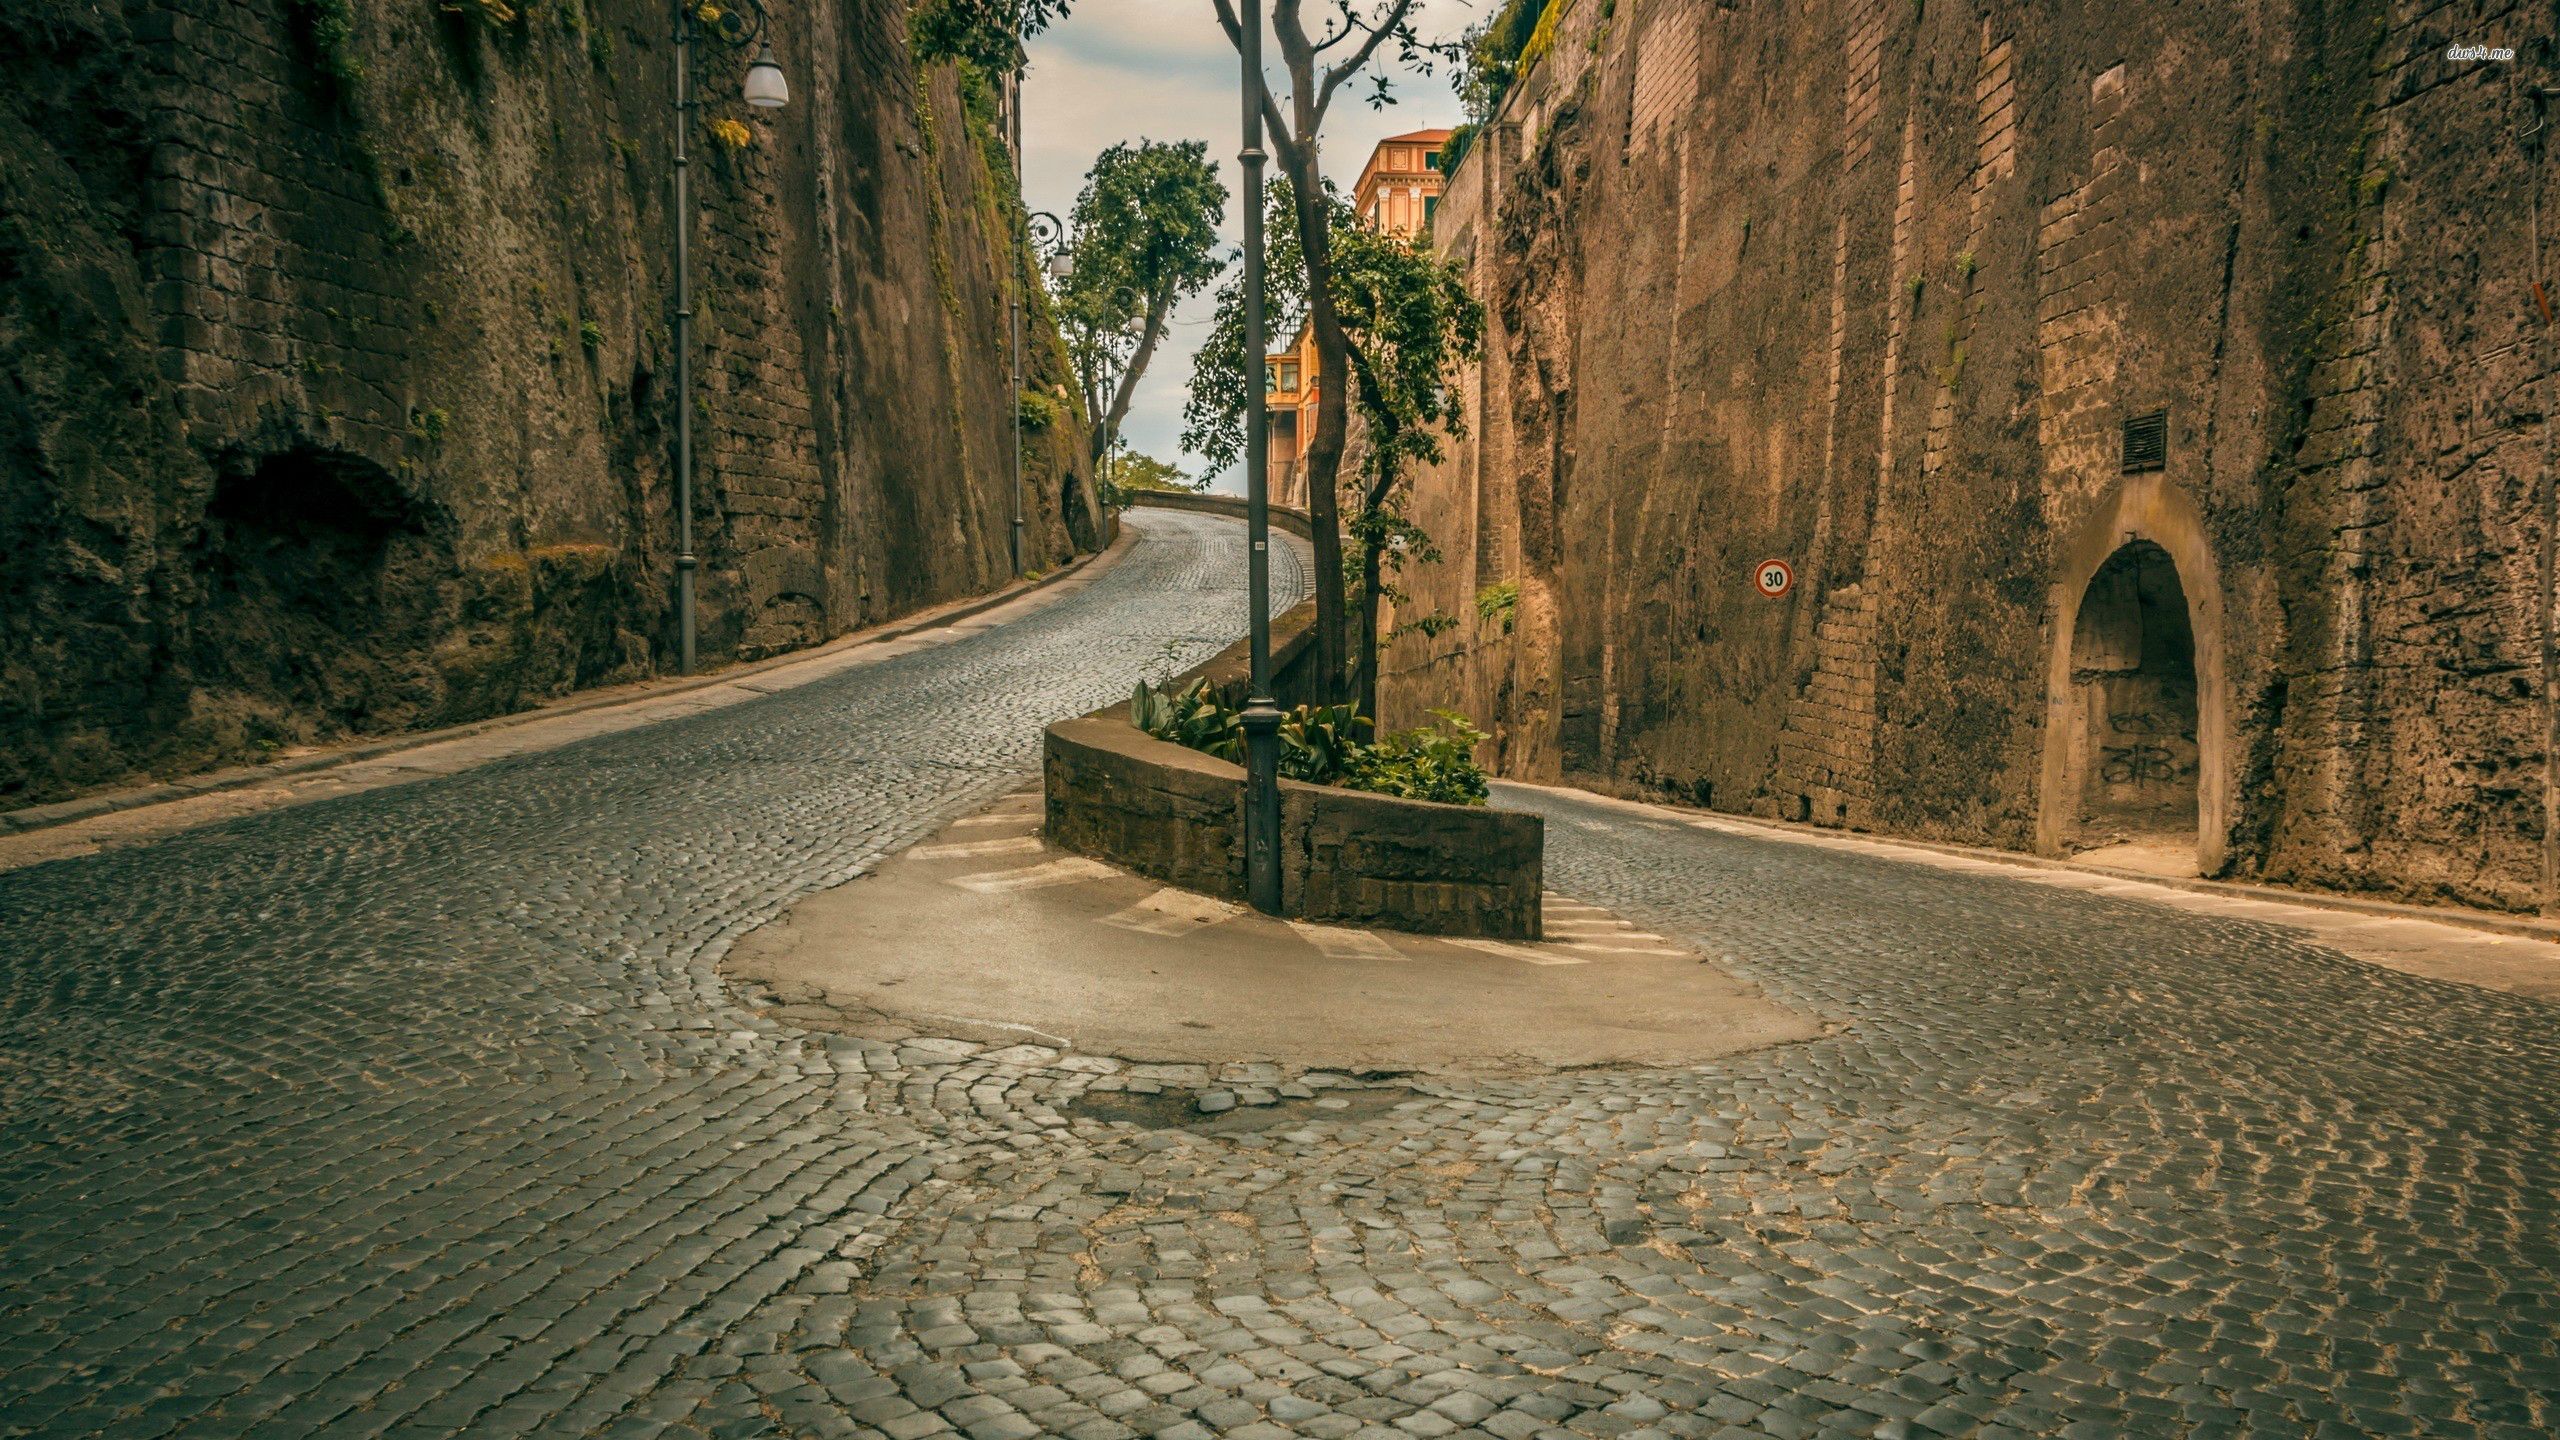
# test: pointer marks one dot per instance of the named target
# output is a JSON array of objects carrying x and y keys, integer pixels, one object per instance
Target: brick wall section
[
  {"x": 1863, "y": 88},
  {"x": 2078, "y": 325},
  {"x": 1666, "y": 81},
  {"x": 2302, "y": 232},
  {"x": 758, "y": 457},
  {"x": 1826, "y": 759}
]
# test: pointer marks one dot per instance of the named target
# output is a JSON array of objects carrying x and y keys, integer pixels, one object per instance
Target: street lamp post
[
  {"x": 733, "y": 24},
  {"x": 1261, "y": 715},
  {"x": 1048, "y": 237}
]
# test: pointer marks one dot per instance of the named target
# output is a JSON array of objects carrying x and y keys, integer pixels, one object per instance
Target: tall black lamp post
[
  {"x": 731, "y": 24},
  {"x": 1048, "y": 240},
  {"x": 1261, "y": 714}
]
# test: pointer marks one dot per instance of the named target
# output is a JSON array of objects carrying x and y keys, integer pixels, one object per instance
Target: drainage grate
[{"x": 2146, "y": 442}]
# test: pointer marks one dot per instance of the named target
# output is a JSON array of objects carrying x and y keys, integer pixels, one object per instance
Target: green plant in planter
[
  {"x": 1429, "y": 762},
  {"x": 1320, "y": 743},
  {"x": 1193, "y": 718}
]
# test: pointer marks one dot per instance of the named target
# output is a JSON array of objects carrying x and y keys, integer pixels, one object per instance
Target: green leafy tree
[
  {"x": 1494, "y": 51},
  {"x": 1146, "y": 231},
  {"x": 985, "y": 33},
  {"x": 1129, "y": 471},
  {"x": 1410, "y": 327},
  {"x": 1321, "y": 46}
]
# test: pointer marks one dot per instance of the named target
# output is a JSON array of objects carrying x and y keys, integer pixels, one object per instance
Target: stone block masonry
[
  {"x": 2151, "y": 399},
  {"x": 338, "y": 380},
  {"x": 1346, "y": 857}
]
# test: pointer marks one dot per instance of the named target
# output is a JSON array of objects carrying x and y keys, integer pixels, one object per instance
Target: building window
[
  {"x": 1430, "y": 207},
  {"x": 1431, "y": 160}
]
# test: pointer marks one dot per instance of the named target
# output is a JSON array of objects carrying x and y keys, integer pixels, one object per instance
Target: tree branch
[
  {"x": 1283, "y": 139},
  {"x": 1388, "y": 24},
  {"x": 1350, "y": 22},
  {"x": 1157, "y": 304}
]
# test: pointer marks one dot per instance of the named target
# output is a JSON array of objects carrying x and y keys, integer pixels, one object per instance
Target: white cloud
[{"x": 1119, "y": 70}]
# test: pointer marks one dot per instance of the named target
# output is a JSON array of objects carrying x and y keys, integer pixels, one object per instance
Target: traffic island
[
  {"x": 988, "y": 934},
  {"x": 1348, "y": 857}
]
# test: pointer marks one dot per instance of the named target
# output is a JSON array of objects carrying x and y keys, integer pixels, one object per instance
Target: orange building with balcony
[
  {"x": 1400, "y": 186},
  {"x": 1397, "y": 192}
]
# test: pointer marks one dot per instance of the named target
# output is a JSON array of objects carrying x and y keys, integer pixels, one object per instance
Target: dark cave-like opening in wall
[{"x": 321, "y": 580}]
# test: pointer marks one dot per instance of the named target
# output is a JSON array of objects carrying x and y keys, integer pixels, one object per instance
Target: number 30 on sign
[{"x": 1774, "y": 578}]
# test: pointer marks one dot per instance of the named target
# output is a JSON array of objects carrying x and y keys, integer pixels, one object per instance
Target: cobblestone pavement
[{"x": 424, "y": 1112}]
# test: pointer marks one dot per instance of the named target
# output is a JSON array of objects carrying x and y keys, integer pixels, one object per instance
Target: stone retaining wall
[
  {"x": 1283, "y": 517},
  {"x": 339, "y": 385},
  {"x": 1950, "y": 272}
]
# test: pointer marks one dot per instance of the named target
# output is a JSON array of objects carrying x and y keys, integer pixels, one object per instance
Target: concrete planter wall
[{"x": 1347, "y": 857}]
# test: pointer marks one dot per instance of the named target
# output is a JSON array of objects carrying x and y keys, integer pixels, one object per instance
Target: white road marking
[
  {"x": 1056, "y": 872},
  {"x": 1014, "y": 817},
  {"x": 1337, "y": 943},
  {"x": 971, "y": 849},
  {"x": 1172, "y": 912},
  {"x": 1043, "y": 1036},
  {"x": 1521, "y": 953}
]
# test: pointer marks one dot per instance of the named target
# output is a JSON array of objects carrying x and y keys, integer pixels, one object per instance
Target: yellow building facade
[{"x": 1397, "y": 192}]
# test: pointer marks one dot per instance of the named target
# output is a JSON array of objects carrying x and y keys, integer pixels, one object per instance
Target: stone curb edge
[
  {"x": 90, "y": 807},
  {"x": 2521, "y": 926}
]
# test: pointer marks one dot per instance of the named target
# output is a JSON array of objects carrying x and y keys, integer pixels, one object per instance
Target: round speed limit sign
[{"x": 1774, "y": 578}]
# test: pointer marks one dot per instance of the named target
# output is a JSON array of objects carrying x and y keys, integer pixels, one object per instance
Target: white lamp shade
[
  {"x": 1061, "y": 267},
  {"x": 766, "y": 87}
]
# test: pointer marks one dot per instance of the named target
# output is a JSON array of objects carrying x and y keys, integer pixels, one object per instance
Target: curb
[
  {"x": 2520, "y": 926},
  {"x": 110, "y": 802}
]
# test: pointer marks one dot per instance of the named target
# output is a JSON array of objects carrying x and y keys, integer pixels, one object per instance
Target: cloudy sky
[{"x": 1119, "y": 70}]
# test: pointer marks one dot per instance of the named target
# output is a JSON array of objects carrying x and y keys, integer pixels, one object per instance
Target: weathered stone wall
[
  {"x": 336, "y": 383},
  {"x": 1875, "y": 287},
  {"x": 1347, "y": 857}
]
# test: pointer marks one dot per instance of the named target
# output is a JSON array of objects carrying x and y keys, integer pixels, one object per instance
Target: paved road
[{"x": 424, "y": 1112}]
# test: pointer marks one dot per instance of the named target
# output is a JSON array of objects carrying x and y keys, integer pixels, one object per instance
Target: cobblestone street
[{"x": 425, "y": 1111}]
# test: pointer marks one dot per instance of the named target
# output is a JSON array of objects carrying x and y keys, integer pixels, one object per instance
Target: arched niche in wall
[{"x": 2137, "y": 697}]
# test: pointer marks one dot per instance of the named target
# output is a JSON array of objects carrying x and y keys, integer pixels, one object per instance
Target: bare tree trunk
[
  {"x": 1367, "y": 685},
  {"x": 1107, "y": 426},
  {"x": 1323, "y": 456},
  {"x": 1297, "y": 137}
]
